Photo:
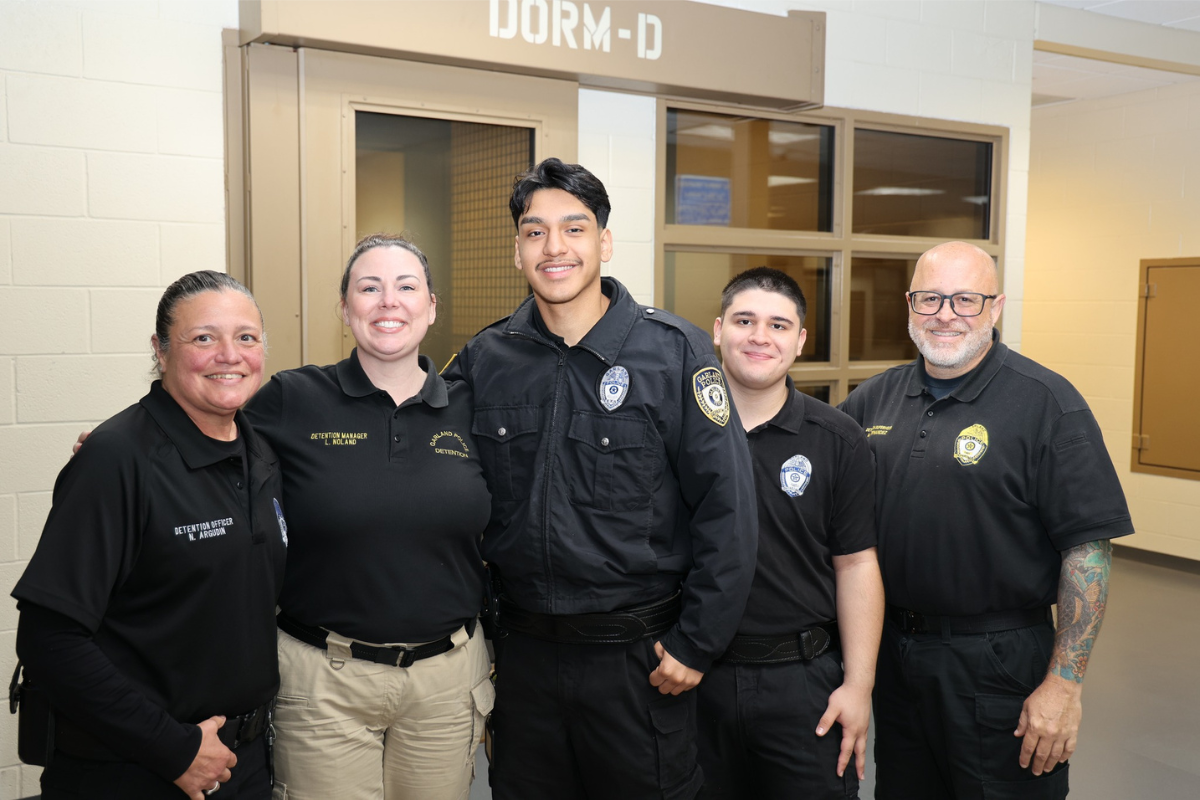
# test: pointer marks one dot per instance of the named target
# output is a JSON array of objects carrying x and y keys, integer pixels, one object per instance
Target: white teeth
[
  {"x": 388, "y": 323},
  {"x": 227, "y": 376},
  {"x": 556, "y": 269}
]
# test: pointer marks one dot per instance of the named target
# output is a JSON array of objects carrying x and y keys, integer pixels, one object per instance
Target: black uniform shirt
[
  {"x": 159, "y": 547},
  {"x": 979, "y": 492},
  {"x": 618, "y": 470},
  {"x": 385, "y": 503},
  {"x": 816, "y": 499}
]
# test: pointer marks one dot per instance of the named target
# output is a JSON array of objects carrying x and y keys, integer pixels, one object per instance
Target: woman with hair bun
[{"x": 147, "y": 611}]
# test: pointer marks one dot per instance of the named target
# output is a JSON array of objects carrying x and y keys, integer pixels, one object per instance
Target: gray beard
[{"x": 974, "y": 343}]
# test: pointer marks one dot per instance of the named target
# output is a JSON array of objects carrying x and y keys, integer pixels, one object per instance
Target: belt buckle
[
  {"x": 243, "y": 722},
  {"x": 912, "y": 622},
  {"x": 402, "y": 657}
]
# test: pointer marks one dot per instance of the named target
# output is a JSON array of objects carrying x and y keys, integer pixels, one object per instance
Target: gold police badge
[
  {"x": 970, "y": 445},
  {"x": 711, "y": 395}
]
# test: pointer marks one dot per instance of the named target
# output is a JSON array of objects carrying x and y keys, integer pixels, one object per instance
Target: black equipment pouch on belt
[
  {"x": 623, "y": 626},
  {"x": 35, "y": 726},
  {"x": 803, "y": 646},
  {"x": 489, "y": 616}
]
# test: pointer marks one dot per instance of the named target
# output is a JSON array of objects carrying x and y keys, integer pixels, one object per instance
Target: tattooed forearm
[{"x": 1082, "y": 594}]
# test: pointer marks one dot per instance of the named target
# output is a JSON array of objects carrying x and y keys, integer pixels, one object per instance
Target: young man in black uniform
[
  {"x": 771, "y": 708},
  {"x": 622, "y": 521},
  {"x": 995, "y": 497}
]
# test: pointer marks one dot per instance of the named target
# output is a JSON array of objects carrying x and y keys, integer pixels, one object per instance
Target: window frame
[{"x": 839, "y": 244}]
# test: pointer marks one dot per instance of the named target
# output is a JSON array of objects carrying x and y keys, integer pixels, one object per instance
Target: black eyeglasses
[{"x": 964, "y": 304}]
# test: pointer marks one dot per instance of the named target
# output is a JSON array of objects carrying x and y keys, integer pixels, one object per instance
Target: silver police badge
[
  {"x": 794, "y": 475},
  {"x": 614, "y": 386}
]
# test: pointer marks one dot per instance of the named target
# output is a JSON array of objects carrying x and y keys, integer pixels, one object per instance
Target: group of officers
[{"x": 704, "y": 578}]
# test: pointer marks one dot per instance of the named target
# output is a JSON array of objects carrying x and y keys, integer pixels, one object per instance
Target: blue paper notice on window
[{"x": 701, "y": 200}]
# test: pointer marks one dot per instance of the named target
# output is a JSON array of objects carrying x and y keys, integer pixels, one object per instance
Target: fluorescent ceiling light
[
  {"x": 710, "y": 131},
  {"x": 786, "y": 137},
  {"x": 787, "y": 180},
  {"x": 899, "y": 191},
  {"x": 977, "y": 199}
]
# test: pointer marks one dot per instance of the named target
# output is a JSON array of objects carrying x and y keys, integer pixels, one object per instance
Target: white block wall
[
  {"x": 963, "y": 60},
  {"x": 111, "y": 186}
]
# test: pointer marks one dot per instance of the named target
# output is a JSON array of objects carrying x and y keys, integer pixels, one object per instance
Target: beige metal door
[
  {"x": 1169, "y": 441},
  {"x": 387, "y": 145}
]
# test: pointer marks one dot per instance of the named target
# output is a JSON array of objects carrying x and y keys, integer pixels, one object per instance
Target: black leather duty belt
[
  {"x": 915, "y": 622},
  {"x": 237, "y": 731},
  {"x": 803, "y": 646},
  {"x": 394, "y": 656},
  {"x": 624, "y": 626}
]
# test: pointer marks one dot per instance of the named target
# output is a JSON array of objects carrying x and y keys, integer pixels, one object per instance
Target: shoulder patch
[{"x": 711, "y": 395}]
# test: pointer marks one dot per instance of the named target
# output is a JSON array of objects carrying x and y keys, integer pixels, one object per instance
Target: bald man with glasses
[{"x": 995, "y": 499}]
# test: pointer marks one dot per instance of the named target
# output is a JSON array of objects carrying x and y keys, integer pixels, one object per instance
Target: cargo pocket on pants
[
  {"x": 1003, "y": 778},
  {"x": 1045, "y": 787},
  {"x": 483, "y": 698},
  {"x": 675, "y": 738}
]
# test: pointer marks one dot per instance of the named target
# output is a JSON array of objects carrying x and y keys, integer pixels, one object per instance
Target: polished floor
[{"x": 1141, "y": 702}]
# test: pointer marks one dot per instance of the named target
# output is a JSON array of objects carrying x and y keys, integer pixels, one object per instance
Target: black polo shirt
[
  {"x": 386, "y": 503},
  {"x": 816, "y": 499},
  {"x": 157, "y": 544},
  {"x": 978, "y": 493}
]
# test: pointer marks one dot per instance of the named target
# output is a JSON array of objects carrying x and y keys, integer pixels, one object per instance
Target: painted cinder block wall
[
  {"x": 1114, "y": 181},
  {"x": 111, "y": 186}
]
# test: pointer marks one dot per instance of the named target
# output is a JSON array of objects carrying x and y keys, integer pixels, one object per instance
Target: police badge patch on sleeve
[
  {"x": 794, "y": 475},
  {"x": 711, "y": 395},
  {"x": 614, "y": 385}
]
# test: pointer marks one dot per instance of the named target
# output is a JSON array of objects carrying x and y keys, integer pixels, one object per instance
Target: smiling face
[
  {"x": 760, "y": 338},
  {"x": 952, "y": 345},
  {"x": 560, "y": 247},
  {"x": 388, "y": 306},
  {"x": 214, "y": 363}
]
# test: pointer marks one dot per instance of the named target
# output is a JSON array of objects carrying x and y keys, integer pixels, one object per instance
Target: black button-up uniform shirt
[
  {"x": 386, "y": 502},
  {"x": 597, "y": 508},
  {"x": 977, "y": 494},
  {"x": 816, "y": 499}
]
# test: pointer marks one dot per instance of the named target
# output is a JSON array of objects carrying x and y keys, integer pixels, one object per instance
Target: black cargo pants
[{"x": 582, "y": 721}]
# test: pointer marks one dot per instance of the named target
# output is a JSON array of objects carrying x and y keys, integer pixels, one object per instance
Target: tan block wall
[
  {"x": 111, "y": 187},
  {"x": 1113, "y": 181}
]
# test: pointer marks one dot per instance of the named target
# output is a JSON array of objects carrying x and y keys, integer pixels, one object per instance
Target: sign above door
[{"x": 662, "y": 47}]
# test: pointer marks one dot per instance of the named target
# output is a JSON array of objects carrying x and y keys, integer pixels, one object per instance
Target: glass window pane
[
  {"x": 748, "y": 173},
  {"x": 446, "y": 184},
  {"x": 906, "y": 185},
  {"x": 693, "y": 284},
  {"x": 819, "y": 391},
  {"x": 878, "y": 309}
]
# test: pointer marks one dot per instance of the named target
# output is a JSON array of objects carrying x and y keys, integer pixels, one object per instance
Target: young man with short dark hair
[
  {"x": 780, "y": 716},
  {"x": 622, "y": 525}
]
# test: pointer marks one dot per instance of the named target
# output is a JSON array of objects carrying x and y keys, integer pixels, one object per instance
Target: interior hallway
[{"x": 1141, "y": 702}]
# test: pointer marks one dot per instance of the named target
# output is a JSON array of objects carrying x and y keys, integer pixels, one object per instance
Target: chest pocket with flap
[
  {"x": 608, "y": 462},
  {"x": 508, "y": 443}
]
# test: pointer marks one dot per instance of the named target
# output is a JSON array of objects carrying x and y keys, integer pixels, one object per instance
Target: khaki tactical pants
[{"x": 355, "y": 730}]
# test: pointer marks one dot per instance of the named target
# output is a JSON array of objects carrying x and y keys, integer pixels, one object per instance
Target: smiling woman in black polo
[
  {"x": 384, "y": 676},
  {"x": 147, "y": 611}
]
